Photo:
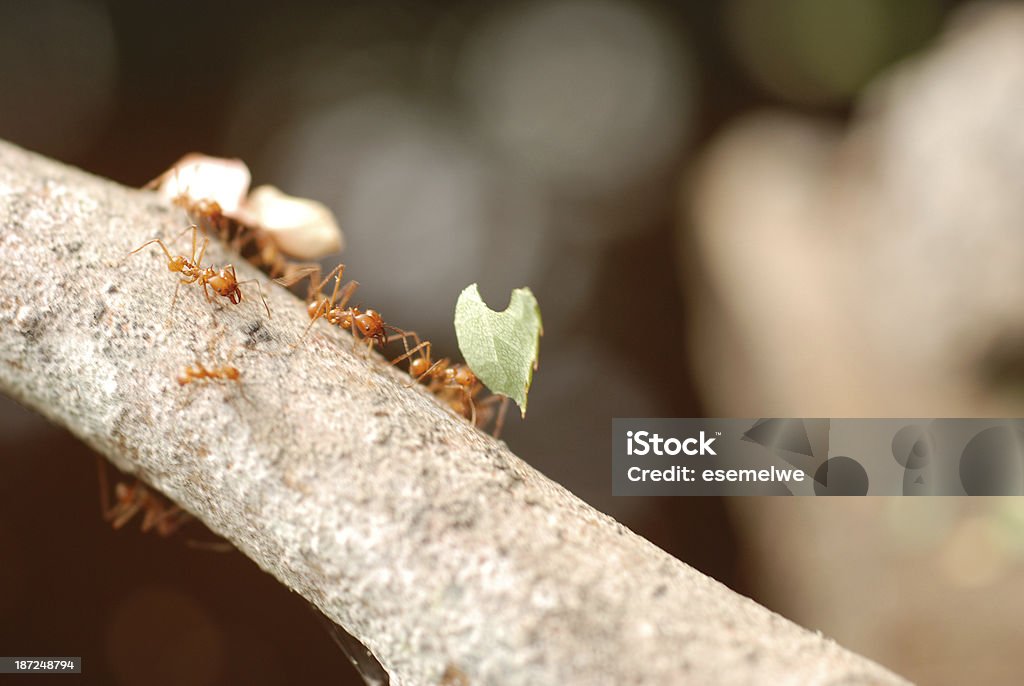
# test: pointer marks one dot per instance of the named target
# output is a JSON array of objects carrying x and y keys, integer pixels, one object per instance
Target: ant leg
[
  {"x": 286, "y": 268},
  {"x": 170, "y": 520},
  {"x": 394, "y": 329},
  {"x": 258, "y": 287},
  {"x": 355, "y": 336},
  {"x": 202, "y": 251},
  {"x": 241, "y": 239},
  {"x": 170, "y": 258},
  {"x": 499, "y": 423},
  {"x": 105, "y": 503},
  {"x": 467, "y": 398},
  {"x": 427, "y": 373},
  {"x": 123, "y": 511},
  {"x": 124, "y": 515},
  {"x": 320, "y": 311},
  {"x": 206, "y": 291},
  {"x": 210, "y": 546},
  {"x": 293, "y": 276},
  {"x": 215, "y": 216},
  {"x": 182, "y": 232},
  {"x": 190, "y": 227},
  {"x": 337, "y": 273},
  {"x": 420, "y": 345},
  {"x": 153, "y": 514},
  {"x": 346, "y": 293},
  {"x": 312, "y": 270},
  {"x": 409, "y": 352},
  {"x": 430, "y": 370},
  {"x": 358, "y": 337},
  {"x": 174, "y": 300}
]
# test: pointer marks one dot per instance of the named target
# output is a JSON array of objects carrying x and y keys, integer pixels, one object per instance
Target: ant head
[
  {"x": 464, "y": 377},
  {"x": 208, "y": 208},
  {"x": 370, "y": 323},
  {"x": 176, "y": 264},
  {"x": 181, "y": 199},
  {"x": 224, "y": 283}
]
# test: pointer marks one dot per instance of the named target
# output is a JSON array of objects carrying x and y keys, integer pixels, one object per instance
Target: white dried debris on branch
[{"x": 299, "y": 227}]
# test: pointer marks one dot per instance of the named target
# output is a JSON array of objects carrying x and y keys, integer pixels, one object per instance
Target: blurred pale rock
[
  {"x": 878, "y": 272},
  {"x": 302, "y": 228},
  {"x": 197, "y": 177},
  {"x": 874, "y": 272}
]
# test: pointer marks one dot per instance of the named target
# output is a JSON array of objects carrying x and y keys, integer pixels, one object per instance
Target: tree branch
[{"x": 426, "y": 539}]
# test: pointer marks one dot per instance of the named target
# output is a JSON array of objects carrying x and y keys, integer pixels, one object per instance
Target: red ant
[
  {"x": 165, "y": 519},
  {"x": 453, "y": 676},
  {"x": 224, "y": 282},
  {"x": 130, "y": 500},
  {"x": 266, "y": 255},
  {"x": 369, "y": 323},
  {"x": 455, "y": 384},
  {"x": 198, "y": 372},
  {"x": 206, "y": 212}
]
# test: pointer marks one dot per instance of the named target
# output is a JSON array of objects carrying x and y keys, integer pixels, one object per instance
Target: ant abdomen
[{"x": 419, "y": 366}]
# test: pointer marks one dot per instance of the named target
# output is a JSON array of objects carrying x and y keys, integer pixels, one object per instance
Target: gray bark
[{"x": 426, "y": 539}]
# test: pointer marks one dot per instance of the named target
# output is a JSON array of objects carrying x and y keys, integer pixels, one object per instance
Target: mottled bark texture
[{"x": 426, "y": 539}]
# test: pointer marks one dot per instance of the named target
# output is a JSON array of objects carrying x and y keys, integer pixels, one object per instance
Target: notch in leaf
[{"x": 500, "y": 347}]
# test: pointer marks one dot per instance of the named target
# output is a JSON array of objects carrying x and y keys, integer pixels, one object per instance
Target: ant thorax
[{"x": 339, "y": 317}]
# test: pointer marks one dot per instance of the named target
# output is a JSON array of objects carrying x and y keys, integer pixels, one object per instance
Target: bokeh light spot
[
  {"x": 822, "y": 53},
  {"x": 585, "y": 93}
]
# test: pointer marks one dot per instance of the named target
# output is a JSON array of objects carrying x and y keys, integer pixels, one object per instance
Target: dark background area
[{"x": 124, "y": 89}]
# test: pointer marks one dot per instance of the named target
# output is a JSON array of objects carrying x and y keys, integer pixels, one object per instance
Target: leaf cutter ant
[
  {"x": 130, "y": 500},
  {"x": 455, "y": 384},
  {"x": 368, "y": 324},
  {"x": 224, "y": 282}
]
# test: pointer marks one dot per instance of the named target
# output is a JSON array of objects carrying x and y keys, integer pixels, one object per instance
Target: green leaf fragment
[{"x": 500, "y": 347}]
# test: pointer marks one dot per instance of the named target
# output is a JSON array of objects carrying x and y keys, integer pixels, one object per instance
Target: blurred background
[{"x": 747, "y": 208}]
